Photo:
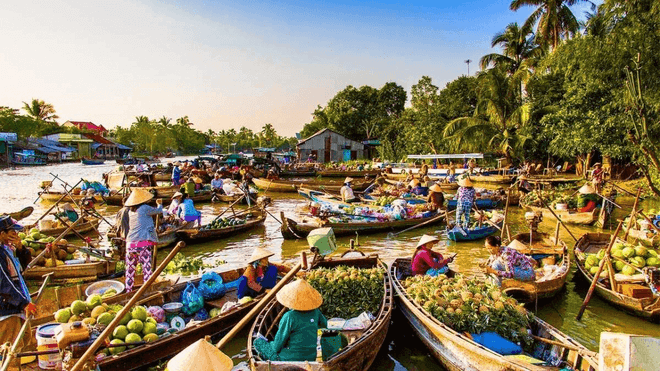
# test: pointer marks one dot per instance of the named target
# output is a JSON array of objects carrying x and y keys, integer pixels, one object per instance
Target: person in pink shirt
[{"x": 427, "y": 261}]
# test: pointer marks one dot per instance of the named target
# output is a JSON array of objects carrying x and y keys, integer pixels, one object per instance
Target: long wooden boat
[
  {"x": 443, "y": 185},
  {"x": 293, "y": 230},
  {"x": 591, "y": 243},
  {"x": 168, "y": 346},
  {"x": 457, "y": 352},
  {"x": 357, "y": 356},
  {"x": 346, "y": 173},
  {"x": 24, "y": 213},
  {"x": 542, "y": 246},
  {"x": 647, "y": 238},
  {"x": 493, "y": 179},
  {"x": 165, "y": 193},
  {"x": 568, "y": 216},
  {"x": 85, "y": 270},
  {"x": 293, "y": 185},
  {"x": 297, "y": 173},
  {"x": 53, "y": 196},
  {"x": 196, "y": 235},
  {"x": 89, "y": 225},
  {"x": 473, "y": 234},
  {"x": 92, "y": 162},
  {"x": 165, "y": 238}
]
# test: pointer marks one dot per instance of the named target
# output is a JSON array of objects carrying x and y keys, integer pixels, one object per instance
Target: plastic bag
[
  {"x": 211, "y": 286},
  {"x": 191, "y": 299}
]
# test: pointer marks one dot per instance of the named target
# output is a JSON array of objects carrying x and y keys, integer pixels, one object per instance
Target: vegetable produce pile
[
  {"x": 36, "y": 242},
  {"x": 637, "y": 256},
  {"x": 385, "y": 200},
  {"x": 185, "y": 266},
  {"x": 570, "y": 201},
  {"x": 348, "y": 291},
  {"x": 223, "y": 223},
  {"x": 532, "y": 198},
  {"x": 470, "y": 305}
]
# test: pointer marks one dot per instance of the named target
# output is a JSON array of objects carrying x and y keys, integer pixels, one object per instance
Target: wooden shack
[{"x": 327, "y": 145}]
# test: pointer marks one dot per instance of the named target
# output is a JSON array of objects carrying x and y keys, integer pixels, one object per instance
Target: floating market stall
[{"x": 280, "y": 185}]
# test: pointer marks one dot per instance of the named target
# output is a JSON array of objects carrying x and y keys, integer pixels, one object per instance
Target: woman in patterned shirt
[
  {"x": 507, "y": 262},
  {"x": 465, "y": 198}
]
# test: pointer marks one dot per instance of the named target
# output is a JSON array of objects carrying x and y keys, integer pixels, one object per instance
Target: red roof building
[{"x": 87, "y": 126}]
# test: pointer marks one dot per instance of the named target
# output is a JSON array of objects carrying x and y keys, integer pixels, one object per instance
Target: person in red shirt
[{"x": 427, "y": 261}]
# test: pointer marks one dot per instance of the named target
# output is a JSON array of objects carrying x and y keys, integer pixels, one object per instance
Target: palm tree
[
  {"x": 268, "y": 132},
  {"x": 518, "y": 45},
  {"x": 497, "y": 119},
  {"x": 553, "y": 18},
  {"x": 598, "y": 23},
  {"x": 40, "y": 110}
]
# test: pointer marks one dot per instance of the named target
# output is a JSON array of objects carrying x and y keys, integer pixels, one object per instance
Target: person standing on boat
[
  {"x": 346, "y": 191},
  {"x": 259, "y": 275},
  {"x": 436, "y": 198},
  {"x": 465, "y": 201},
  {"x": 598, "y": 177},
  {"x": 15, "y": 301},
  {"x": 142, "y": 234},
  {"x": 451, "y": 173},
  {"x": 507, "y": 262},
  {"x": 176, "y": 174},
  {"x": 424, "y": 170},
  {"x": 297, "y": 332},
  {"x": 186, "y": 211},
  {"x": 427, "y": 261}
]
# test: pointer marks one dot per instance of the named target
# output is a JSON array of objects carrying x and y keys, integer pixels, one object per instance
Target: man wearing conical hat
[
  {"x": 259, "y": 274},
  {"x": 346, "y": 191},
  {"x": 200, "y": 356},
  {"x": 296, "y": 336},
  {"x": 427, "y": 261},
  {"x": 587, "y": 198},
  {"x": 465, "y": 197}
]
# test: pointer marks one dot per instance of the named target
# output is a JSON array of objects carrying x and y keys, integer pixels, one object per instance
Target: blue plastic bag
[
  {"x": 211, "y": 286},
  {"x": 202, "y": 315},
  {"x": 496, "y": 343},
  {"x": 191, "y": 299}
]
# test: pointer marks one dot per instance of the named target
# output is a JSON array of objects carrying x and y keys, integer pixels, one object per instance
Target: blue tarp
[{"x": 50, "y": 146}]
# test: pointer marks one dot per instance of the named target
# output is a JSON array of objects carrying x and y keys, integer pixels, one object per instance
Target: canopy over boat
[{"x": 446, "y": 156}]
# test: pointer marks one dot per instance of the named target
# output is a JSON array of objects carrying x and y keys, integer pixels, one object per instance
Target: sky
[{"x": 231, "y": 64}]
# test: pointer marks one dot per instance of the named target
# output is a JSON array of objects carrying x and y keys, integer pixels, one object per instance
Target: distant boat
[{"x": 92, "y": 162}]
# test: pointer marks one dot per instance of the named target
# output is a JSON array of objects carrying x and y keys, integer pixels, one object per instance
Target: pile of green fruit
[
  {"x": 470, "y": 305},
  {"x": 532, "y": 198},
  {"x": 385, "y": 200},
  {"x": 223, "y": 223},
  {"x": 571, "y": 202},
  {"x": 36, "y": 242},
  {"x": 134, "y": 327},
  {"x": 91, "y": 311},
  {"x": 636, "y": 256},
  {"x": 348, "y": 291},
  {"x": 185, "y": 266}
]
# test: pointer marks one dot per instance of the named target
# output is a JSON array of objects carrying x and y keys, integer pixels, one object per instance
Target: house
[
  {"x": 326, "y": 146},
  {"x": 7, "y": 141},
  {"x": 87, "y": 127},
  {"x": 54, "y": 151},
  {"x": 77, "y": 141},
  {"x": 102, "y": 147}
]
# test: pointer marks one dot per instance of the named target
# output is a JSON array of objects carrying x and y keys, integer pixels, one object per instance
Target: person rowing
[{"x": 436, "y": 198}]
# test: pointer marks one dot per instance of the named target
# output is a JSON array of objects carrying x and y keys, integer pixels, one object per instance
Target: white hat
[
  {"x": 587, "y": 189},
  {"x": 427, "y": 239},
  {"x": 299, "y": 295},
  {"x": 348, "y": 180},
  {"x": 138, "y": 196},
  {"x": 177, "y": 194},
  {"x": 200, "y": 355},
  {"x": 465, "y": 182}
]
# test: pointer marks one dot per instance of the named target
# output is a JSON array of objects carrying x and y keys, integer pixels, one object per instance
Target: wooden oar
[
  {"x": 481, "y": 213},
  {"x": 230, "y": 207},
  {"x": 52, "y": 207},
  {"x": 597, "y": 275},
  {"x": 108, "y": 330},
  {"x": 26, "y": 325},
  {"x": 633, "y": 213},
  {"x": 556, "y": 217},
  {"x": 257, "y": 308},
  {"x": 564, "y": 345},
  {"x": 438, "y": 217}
]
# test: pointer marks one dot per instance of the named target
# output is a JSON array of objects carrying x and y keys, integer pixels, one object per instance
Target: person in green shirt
[
  {"x": 296, "y": 336},
  {"x": 188, "y": 187}
]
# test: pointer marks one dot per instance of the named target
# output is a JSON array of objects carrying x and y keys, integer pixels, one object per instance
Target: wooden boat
[
  {"x": 648, "y": 307},
  {"x": 568, "y": 216},
  {"x": 457, "y": 352},
  {"x": 18, "y": 215},
  {"x": 293, "y": 185},
  {"x": 92, "y": 162},
  {"x": 54, "y": 196},
  {"x": 443, "y": 185},
  {"x": 473, "y": 234},
  {"x": 647, "y": 238},
  {"x": 346, "y": 173},
  {"x": 481, "y": 203},
  {"x": 493, "y": 179},
  {"x": 359, "y": 355},
  {"x": 85, "y": 270},
  {"x": 542, "y": 246},
  {"x": 88, "y": 225},
  {"x": 294, "y": 230},
  {"x": 165, "y": 193},
  {"x": 137, "y": 160},
  {"x": 168, "y": 346},
  {"x": 196, "y": 235},
  {"x": 165, "y": 238}
]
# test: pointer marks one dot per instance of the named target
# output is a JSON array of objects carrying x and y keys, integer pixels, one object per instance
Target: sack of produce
[
  {"x": 211, "y": 286},
  {"x": 192, "y": 300}
]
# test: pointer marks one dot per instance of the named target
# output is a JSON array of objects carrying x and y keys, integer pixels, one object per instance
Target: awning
[
  {"x": 121, "y": 146},
  {"x": 446, "y": 156}
]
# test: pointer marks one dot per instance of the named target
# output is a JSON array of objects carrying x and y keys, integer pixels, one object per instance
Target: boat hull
[
  {"x": 82, "y": 228},
  {"x": 472, "y": 234},
  {"x": 576, "y": 218},
  {"x": 293, "y": 185},
  {"x": 85, "y": 270}
]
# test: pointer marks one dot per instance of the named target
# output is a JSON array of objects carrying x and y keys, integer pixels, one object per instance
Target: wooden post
[
  {"x": 632, "y": 214},
  {"x": 597, "y": 275},
  {"x": 506, "y": 211},
  {"x": 557, "y": 234}
]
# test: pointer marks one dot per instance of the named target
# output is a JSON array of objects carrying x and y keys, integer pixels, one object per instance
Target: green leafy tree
[
  {"x": 554, "y": 19},
  {"x": 40, "y": 110}
]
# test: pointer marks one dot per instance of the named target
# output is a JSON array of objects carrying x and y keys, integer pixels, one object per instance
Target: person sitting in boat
[
  {"x": 409, "y": 176},
  {"x": 15, "y": 300},
  {"x": 587, "y": 198},
  {"x": 417, "y": 188},
  {"x": 68, "y": 213},
  {"x": 174, "y": 204},
  {"x": 436, "y": 198},
  {"x": 424, "y": 170},
  {"x": 216, "y": 184},
  {"x": 427, "y": 261},
  {"x": 507, "y": 262},
  {"x": 259, "y": 275},
  {"x": 143, "y": 180},
  {"x": 186, "y": 210},
  {"x": 297, "y": 332},
  {"x": 465, "y": 201},
  {"x": 188, "y": 187},
  {"x": 272, "y": 174},
  {"x": 346, "y": 191},
  {"x": 451, "y": 173},
  {"x": 388, "y": 169},
  {"x": 142, "y": 234}
]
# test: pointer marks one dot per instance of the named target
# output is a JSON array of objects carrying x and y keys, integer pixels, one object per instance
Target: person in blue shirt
[
  {"x": 187, "y": 212},
  {"x": 176, "y": 174}
]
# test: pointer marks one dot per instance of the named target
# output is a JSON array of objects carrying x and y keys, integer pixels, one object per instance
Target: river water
[{"x": 402, "y": 350}]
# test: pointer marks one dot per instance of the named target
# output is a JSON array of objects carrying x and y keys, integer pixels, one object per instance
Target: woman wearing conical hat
[
  {"x": 465, "y": 197},
  {"x": 436, "y": 198},
  {"x": 200, "y": 356},
  {"x": 296, "y": 336},
  {"x": 417, "y": 189},
  {"x": 259, "y": 274},
  {"x": 346, "y": 191},
  {"x": 142, "y": 234},
  {"x": 427, "y": 261},
  {"x": 587, "y": 198},
  {"x": 508, "y": 262}
]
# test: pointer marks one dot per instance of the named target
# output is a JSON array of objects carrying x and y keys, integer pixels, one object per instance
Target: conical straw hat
[
  {"x": 348, "y": 180},
  {"x": 435, "y": 188},
  {"x": 299, "y": 295},
  {"x": 587, "y": 189},
  {"x": 177, "y": 194},
  {"x": 260, "y": 253},
  {"x": 426, "y": 239},
  {"x": 517, "y": 245},
  {"x": 200, "y": 356},
  {"x": 137, "y": 197},
  {"x": 414, "y": 182},
  {"x": 465, "y": 182},
  {"x": 198, "y": 180}
]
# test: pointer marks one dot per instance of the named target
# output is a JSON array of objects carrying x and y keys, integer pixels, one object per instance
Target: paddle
[
  {"x": 436, "y": 218},
  {"x": 633, "y": 213},
  {"x": 26, "y": 325},
  {"x": 108, "y": 330},
  {"x": 52, "y": 207},
  {"x": 597, "y": 275}
]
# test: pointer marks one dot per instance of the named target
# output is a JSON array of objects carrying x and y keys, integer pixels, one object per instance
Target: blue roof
[{"x": 51, "y": 146}]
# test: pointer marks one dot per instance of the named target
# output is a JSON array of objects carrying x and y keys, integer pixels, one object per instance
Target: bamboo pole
[
  {"x": 632, "y": 214},
  {"x": 506, "y": 212},
  {"x": 597, "y": 275},
  {"x": 52, "y": 207},
  {"x": 34, "y": 261},
  {"x": 108, "y": 330}
]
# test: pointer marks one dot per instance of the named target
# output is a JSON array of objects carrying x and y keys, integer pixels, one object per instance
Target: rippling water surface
[{"x": 402, "y": 351}]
